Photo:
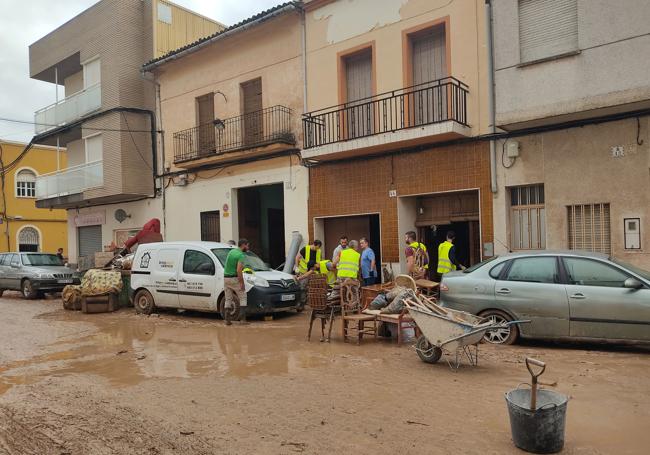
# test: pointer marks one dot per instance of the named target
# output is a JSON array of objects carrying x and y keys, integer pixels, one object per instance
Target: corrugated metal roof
[{"x": 261, "y": 15}]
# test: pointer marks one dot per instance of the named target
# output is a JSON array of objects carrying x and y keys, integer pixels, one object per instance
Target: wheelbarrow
[{"x": 452, "y": 332}]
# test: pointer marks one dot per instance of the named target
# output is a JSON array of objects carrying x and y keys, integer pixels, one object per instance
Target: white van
[{"x": 189, "y": 275}]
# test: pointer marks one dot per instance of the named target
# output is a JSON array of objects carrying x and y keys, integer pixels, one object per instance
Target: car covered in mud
[
  {"x": 564, "y": 294},
  {"x": 34, "y": 274},
  {"x": 189, "y": 275}
]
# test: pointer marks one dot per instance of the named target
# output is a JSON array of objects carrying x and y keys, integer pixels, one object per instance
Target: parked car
[
  {"x": 189, "y": 275},
  {"x": 564, "y": 294},
  {"x": 35, "y": 273}
]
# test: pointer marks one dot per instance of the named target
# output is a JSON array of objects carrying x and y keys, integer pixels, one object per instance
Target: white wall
[
  {"x": 184, "y": 204},
  {"x": 611, "y": 68},
  {"x": 406, "y": 215}
]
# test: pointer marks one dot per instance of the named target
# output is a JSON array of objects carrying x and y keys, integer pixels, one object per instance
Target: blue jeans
[{"x": 369, "y": 281}]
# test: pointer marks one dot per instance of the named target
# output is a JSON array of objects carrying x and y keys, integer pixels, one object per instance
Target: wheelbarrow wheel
[{"x": 426, "y": 351}]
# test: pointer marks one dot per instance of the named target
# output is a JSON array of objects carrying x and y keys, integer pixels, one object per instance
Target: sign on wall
[{"x": 90, "y": 219}]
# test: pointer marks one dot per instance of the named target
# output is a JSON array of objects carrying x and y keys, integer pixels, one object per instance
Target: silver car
[
  {"x": 33, "y": 274},
  {"x": 564, "y": 294}
]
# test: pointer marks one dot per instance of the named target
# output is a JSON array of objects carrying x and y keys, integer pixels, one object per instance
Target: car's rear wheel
[
  {"x": 506, "y": 335},
  {"x": 426, "y": 351},
  {"x": 234, "y": 311},
  {"x": 27, "y": 289},
  {"x": 143, "y": 302}
]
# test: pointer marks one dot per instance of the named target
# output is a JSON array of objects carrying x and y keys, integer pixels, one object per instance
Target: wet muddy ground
[{"x": 184, "y": 383}]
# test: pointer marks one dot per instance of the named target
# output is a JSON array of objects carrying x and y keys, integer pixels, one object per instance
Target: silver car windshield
[
  {"x": 643, "y": 273},
  {"x": 39, "y": 260}
]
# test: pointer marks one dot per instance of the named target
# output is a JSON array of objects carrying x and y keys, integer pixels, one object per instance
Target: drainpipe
[{"x": 491, "y": 100}]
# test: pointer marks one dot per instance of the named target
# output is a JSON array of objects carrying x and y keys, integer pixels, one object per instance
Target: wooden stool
[{"x": 427, "y": 287}]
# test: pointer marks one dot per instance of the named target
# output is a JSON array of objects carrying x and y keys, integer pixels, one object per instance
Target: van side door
[
  {"x": 164, "y": 277},
  {"x": 197, "y": 281}
]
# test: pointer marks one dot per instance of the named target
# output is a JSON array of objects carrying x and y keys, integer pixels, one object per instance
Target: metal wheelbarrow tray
[{"x": 455, "y": 333}]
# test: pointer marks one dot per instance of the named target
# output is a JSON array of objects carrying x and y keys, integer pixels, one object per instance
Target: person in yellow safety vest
[
  {"x": 416, "y": 252},
  {"x": 347, "y": 262},
  {"x": 447, "y": 260},
  {"x": 328, "y": 269},
  {"x": 304, "y": 258}
]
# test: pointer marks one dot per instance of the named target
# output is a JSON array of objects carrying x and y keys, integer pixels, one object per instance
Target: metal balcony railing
[
  {"x": 72, "y": 180},
  {"x": 424, "y": 104},
  {"x": 69, "y": 109},
  {"x": 269, "y": 125}
]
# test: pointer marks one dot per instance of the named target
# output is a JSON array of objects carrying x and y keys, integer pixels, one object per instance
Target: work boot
[{"x": 228, "y": 316}]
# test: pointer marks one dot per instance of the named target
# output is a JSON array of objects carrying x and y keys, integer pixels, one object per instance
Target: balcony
[
  {"x": 73, "y": 180},
  {"x": 261, "y": 132},
  {"x": 69, "y": 109},
  {"x": 434, "y": 111}
]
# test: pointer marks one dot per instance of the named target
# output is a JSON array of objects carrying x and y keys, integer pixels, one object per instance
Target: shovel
[{"x": 533, "y": 378}]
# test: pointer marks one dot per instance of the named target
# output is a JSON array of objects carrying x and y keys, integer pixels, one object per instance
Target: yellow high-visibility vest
[
  {"x": 302, "y": 265},
  {"x": 421, "y": 246},
  {"x": 348, "y": 266},
  {"x": 331, "y": 276},
  {"x": 444, "y": 264}
]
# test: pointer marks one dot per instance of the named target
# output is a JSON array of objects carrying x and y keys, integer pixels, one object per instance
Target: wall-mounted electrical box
[
  {"x": 512, "y": 149},
  {"x": 632, "y": 233}
]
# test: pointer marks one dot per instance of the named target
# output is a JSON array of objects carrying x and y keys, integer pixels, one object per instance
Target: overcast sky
[{"x": 24, "y": 21}]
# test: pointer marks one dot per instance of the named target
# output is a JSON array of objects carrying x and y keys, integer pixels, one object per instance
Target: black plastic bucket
[{"x": 541, "y": 430}]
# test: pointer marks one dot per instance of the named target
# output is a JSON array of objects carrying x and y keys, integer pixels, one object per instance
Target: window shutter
[
  {"x": 589, "y": 228},
  {"x": 547, "y": 28}
]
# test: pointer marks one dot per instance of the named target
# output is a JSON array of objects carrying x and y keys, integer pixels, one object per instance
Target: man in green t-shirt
[{"x": 233, "y": 281}]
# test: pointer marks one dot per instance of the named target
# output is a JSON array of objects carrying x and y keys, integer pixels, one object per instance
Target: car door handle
[
  {"x": 503, "y": 291},
  {"x": 182, "y": 281},
  {"x": 172, "y": 279},
  {"x": 578, "y": 296}
]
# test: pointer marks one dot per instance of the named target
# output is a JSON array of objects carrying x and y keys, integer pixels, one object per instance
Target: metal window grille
[
  {"x": 589, "y": 227},
  {"x": 527, "y": 218},
  {"x": 210, "y": 227}
]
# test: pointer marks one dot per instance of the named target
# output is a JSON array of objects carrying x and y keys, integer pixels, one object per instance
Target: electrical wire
[
  {"x": 503, "y": 155},
  {"x": 89, "y": 128},
  {"x": 137, "y": 149},
  {"x": 4, "y": 198}
]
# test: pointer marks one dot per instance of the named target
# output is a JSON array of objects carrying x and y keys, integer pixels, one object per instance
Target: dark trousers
[{"x": 369, "y": 281}]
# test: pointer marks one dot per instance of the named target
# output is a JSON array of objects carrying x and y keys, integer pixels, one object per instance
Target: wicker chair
[
  {"x": 321, "y": 307},
  {"x": 353, "y": 320}
]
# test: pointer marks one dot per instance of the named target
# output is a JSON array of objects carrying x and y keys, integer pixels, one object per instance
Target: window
[
  {"x": 527, "y": 218},
  {"x": 205, "y": 120},
  {"x": 3, "y": 257},
  {"x": 164, "y": 13},
  {"x": 547, "y": 28},
  {"x": 358, "y": 86},
  {"x": 92, "y": 72},
  {"x": 589, "y": 228},
  {"x": 28, "y": 239},
  {"x": 496, "y": 270},
  {"x": 197, "y": 263},
  {"x": 94, "y": 148},
  {"x": 15, "y": 260},
  {"x": 429, "y": 63},
  {"x": 534, "y": 270},
  {"x": 25, "y": 183},
  {"x": 210, "y": 226},
  {"x": 587, "y": 272}
]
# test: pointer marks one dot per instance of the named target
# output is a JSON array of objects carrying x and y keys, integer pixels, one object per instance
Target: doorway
[
  {"x": 354, "y": 227},
  {"x": 261, "y": 221}
]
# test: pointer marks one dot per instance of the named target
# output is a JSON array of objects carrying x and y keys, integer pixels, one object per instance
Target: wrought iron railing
[
  {"x": 266, "y": 126},
  {"x": 69, "y": 109},
  {"x": 425, "y": 104}
]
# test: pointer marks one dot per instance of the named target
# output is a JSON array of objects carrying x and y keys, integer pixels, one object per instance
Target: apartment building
[
  {"x": 572, "y": 86},
  {"x": 396, "y": 90},
  {"x": 230, "y": 108},
  {"x": 23, "y": 227},
  {"x": 106, "y": 119}
]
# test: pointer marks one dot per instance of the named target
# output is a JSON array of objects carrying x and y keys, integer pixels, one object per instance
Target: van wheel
[
  {"x": 143, "y": 302},
  {"x": 27, "y": 289},
  {"x": 234, "y": 311},
  {"x": 504, "y": 336}
]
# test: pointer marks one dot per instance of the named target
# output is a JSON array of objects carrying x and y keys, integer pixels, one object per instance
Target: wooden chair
[
  {"x": 427, "y": 287},
  {"x": 320, "y": 307},
  {"x": 353, "y": 321}
]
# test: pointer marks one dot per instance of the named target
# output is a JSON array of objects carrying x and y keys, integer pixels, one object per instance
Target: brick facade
[{"x": 362, "y": 186}]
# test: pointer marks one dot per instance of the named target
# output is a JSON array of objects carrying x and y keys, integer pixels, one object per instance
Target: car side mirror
[{"x": 632, "y": 283}]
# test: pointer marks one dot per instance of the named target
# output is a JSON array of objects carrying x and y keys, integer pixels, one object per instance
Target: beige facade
[
  {"x": 230, "y": 110},
  {"x": 594, "y": 175},
  {"x": 106, "y": 119}
]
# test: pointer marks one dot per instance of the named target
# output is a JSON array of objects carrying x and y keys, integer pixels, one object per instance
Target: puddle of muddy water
[{"x": 129, "y": 350}]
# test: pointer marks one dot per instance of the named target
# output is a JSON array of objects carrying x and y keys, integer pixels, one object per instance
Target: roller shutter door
[
  {"x": 90, "y": 240},
  {"x": 547, "y": 28}
]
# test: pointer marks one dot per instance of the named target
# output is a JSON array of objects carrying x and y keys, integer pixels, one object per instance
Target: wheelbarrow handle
[{"x": 530, "y": 361}]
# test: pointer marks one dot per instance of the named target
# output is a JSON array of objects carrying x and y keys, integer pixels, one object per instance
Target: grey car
[
  {"x": 34, "y": 273},
  {"x": 564, "y": 294}
]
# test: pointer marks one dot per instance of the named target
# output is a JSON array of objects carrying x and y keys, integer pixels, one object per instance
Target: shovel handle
[{"x": 530, "y": 361}]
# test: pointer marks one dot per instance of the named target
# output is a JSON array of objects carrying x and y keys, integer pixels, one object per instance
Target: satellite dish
[{"x": 121, "y": 215}]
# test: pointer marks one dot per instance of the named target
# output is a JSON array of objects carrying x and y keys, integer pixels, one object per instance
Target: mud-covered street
[{"x": 72, "y": 383}]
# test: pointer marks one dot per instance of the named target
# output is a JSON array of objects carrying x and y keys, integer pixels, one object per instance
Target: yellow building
[{"x": 24, "y": 227}]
